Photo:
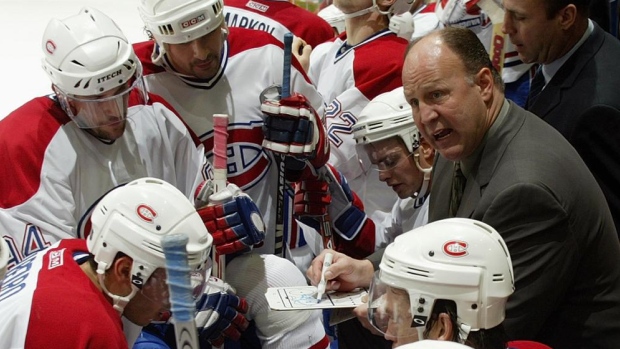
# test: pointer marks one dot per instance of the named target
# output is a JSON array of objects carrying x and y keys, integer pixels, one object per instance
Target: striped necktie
[{"x": 536, "y": 86}]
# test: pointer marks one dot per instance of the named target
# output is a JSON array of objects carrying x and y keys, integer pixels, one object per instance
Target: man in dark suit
[
  {"x": 581, "y": 94},
  {"x": 524, "y": 179}
]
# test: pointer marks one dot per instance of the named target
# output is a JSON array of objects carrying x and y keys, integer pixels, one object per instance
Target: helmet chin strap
[
  {"x": 119, "y": 302},
  {"x": 365, "y": 11},
  {"x": 463, "y": 332},
  {"x": 427, "y": 176}
]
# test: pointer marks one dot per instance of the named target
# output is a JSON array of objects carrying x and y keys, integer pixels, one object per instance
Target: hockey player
[
  {"x": 278, "y": 17},
  {"x": 203, "y": 68},
  {"x": 72, "y": 294},
  {"x": 98, "y": 131},
  {"x": 403, "y": 159},
  {"x": 448, "y": 280},
  {"x": 387, "y": 142},
  {"x": 363, "y": 62}
]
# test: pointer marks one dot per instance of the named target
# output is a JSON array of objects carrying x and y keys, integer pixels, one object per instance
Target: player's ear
[
  {"x": 445, "y": 327},
  {"x": 120, "y": 275}
]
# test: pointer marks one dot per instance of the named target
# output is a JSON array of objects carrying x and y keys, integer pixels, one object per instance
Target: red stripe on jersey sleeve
[{"x": 25, "y": 135}]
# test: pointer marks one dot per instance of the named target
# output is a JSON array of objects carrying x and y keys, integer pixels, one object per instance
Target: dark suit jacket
[
  {"x": 532, "y": 187},
  {"x": 582, "y": 101}
]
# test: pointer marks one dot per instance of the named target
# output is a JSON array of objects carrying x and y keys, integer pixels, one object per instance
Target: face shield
[
  {"x": 389, "y": 311},
  {"x": 106, "y": 109},
  {"x": 373, "y": 160},
  {"x": 156, "y": 289}
]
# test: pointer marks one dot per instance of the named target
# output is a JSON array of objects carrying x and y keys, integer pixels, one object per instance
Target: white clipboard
[{"x": 304, "y": 298}]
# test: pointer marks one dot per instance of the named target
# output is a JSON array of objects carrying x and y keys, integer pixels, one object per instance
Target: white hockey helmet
[
  {"x": 332, "y": 15},
  {"x": 385, "y": 116},
  {"x": 87, "y": 54},
  {"x": 180, "y": 21},
  {"x": 456, "y": 259},
  {"x": 4, "y": 259},
  {"x": 133, "y": 218}
]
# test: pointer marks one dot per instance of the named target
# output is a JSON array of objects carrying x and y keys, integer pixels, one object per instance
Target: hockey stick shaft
[
  {"x": 498, "y": 39},
  {"x": 286, "y": 92},
  {"x": 179, "y": 283},
  {"x": 220, "y": 174}
]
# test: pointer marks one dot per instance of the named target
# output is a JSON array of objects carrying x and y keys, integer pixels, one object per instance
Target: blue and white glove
[
  {"x": 292, "y": 128},
  {"x": 231, "y": 217},
  {"x": 220, "y": 314}
]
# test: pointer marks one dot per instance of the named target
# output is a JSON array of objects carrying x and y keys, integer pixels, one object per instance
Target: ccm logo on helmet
[
  {"x": 455, "y": 248},
  {"x": 146, "y": 213},
  {"x": 191, "y": 22}
]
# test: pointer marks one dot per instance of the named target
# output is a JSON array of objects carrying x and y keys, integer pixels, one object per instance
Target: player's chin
[
  {"x": 144, "y": 318},
  {"x": 143, "y": 315}
]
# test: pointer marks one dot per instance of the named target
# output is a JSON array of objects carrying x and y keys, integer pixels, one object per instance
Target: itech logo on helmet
[
  {"x": 455, "y": 248},
  {"x": 146, "y": 213}
]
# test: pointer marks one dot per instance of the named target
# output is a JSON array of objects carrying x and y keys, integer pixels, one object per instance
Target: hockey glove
[
  {"x": 329, "y": 192},
  {"x": 231, "y": 217},
  {"x": 292, "y": 128},
  {"x": 220, "y": 314}
]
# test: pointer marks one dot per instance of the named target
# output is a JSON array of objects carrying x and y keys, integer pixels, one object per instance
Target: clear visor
[
  {"x": 372, "y": 160},
  {"x": 109, "y": 108},
  {"x": 389, "y": 311},
  {"x": 156, "y": 287}
]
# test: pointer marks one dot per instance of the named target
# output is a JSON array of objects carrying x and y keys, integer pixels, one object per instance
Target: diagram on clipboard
[{"x": 304, "y": 297}]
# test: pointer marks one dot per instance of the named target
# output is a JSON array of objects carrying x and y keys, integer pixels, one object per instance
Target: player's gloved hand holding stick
[
  {"x": 293, "y": 128},
  {"x": 231, "y": 217},
  {"x": 220, "y": 314},
  {"x": 328, "y": 193}
]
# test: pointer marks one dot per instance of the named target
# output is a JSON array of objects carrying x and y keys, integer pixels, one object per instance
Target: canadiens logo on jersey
[
  {"x": 247, "y": 162},
  {"x": 146, "y": 213}
]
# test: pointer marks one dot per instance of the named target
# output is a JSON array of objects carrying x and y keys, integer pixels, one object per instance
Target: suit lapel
[
  {"x": 482, "y": 172},
  {"x": 565, "y": 78}
]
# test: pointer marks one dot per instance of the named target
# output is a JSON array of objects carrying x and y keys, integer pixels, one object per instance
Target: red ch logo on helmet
[
  {"x": 455, "y": 248},
  {"x": 146, "y": 213},
  {"x": 50, "y": 47}
]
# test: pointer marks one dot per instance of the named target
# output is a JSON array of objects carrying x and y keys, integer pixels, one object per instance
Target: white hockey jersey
[
  {"x": 252, "y": 60},
  {"x": 278, "y": 17},
  {"x": 58, "y": 171},
  {"x": 348, "y": 77},
  {"x": 406, "y": 215}
]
